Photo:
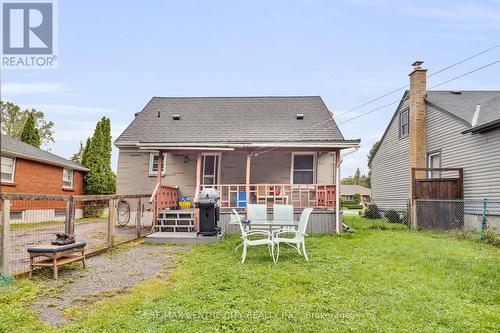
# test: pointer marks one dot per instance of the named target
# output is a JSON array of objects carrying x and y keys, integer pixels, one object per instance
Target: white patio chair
[
  {"x": 257, "y": 213},
  {"x": 283, "y": 213},
  {"x": 254, "y": 242},
  {"x": 298, "y": 239}
]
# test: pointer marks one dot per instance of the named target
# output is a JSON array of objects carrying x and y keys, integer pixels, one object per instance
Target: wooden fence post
[
  {"x": 4, "y": 234},
  {"x": 111, "y": 221},
  {"x": 138, "y": 218},
  {"x": 69, "y": 221}
]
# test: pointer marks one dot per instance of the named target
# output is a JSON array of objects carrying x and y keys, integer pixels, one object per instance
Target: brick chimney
[{"x": 418, "y": 130}]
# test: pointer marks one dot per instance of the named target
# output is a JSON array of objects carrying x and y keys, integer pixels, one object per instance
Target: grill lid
[{"x": 208, "y": 195}]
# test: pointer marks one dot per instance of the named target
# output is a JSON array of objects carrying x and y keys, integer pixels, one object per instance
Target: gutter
[
  {"x": 340, "y": 144},
  {"x": 483, "y": 128},
  {"x": 42, "y": 160}
]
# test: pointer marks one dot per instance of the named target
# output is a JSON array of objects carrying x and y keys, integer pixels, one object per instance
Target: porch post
[
  {"x": 247, "y": 179},
  {"x": 198, "y": 175},
  {"x": 160, "y": 165}
]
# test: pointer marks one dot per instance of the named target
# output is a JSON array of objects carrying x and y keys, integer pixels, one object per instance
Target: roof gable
[{"x": 232, "y": 120}]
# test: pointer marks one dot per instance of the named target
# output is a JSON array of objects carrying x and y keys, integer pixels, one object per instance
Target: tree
[
  {"x": 356, "y": 198},
  {"x": 357, "y": 179},
  {"x": 96, "y": 156},
  {"x": 30, "y": 134},
  {"x": 13, "y": 120},
  {"x": 77, "y": 157},
  {"x": 371, "y": 153}
]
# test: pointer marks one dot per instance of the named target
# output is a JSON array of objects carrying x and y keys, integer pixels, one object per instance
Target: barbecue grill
[{"x": 208, "y": 206}]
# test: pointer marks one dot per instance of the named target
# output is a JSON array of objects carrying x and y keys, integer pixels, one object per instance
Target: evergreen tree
[
  {"x": 30, "y": 134},
  {"x": 77, "y": 157}
]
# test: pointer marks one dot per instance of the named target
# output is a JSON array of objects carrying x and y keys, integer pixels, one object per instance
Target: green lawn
[{"x": 383, "y": 277}]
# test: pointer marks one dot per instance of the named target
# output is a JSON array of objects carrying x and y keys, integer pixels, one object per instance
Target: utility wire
[
  {"x": 394, "y": 91},
  {"x": 388, "y": 104}
]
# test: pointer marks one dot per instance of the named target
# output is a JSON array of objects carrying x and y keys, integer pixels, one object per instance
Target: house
[
  {"x": 30, "y": 170},
  {"x": 440, "y": 129},
  {"x": 251, "y": 149},
  {"x": 347, "y": 192}
]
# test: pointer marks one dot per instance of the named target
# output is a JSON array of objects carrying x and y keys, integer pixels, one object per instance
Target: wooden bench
[{"x": 57, "y": 255}]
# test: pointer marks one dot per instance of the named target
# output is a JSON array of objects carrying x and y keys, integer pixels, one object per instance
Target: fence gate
[{"x": 438, "y": 184}]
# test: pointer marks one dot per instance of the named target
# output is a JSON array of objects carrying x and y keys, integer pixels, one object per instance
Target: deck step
[{"x": 175, "y": 221}]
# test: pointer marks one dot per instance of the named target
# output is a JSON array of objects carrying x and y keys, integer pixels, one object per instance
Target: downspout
[{"x": 338, "y": 225}]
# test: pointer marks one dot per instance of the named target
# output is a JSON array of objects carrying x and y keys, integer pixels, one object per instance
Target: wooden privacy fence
[
  {"x": 28, "y": 220},
  {"x": 437, "y": 184}
]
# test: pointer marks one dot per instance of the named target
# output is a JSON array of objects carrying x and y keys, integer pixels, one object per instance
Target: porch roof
[{"x": 234, "y": 122}]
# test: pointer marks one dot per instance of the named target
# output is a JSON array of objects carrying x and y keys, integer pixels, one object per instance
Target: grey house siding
[
  {"x": 478, "y": 154},
  {"x": 390, "y": 166},
  {"x": 269, "y": 168}
]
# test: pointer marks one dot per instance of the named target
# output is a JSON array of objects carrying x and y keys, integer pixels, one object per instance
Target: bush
[
  {"x": 372, "y": 212},
  {"x": 352, "y": 206},
  {"x": 356, "y": 198},
  {"x": 393, "y": 216}
]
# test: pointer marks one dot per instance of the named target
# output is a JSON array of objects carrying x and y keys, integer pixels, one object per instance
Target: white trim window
[
  {"x": 67, "y": 178},
  {"x": 153, "y": 164},
  {"x": 434, "y": 161},
  {"x": 303, "y": 169},
  {"x": 8, "y": 168},
  {"x": 404, "y": 123},
  {"x": 211, "y": 169}
]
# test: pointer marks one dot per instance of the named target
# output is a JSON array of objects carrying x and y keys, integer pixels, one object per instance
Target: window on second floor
[
  {"x": 404, "y": 123},
  {"x": 67, "y": 178},
  {"x": 8, "y": 168}
]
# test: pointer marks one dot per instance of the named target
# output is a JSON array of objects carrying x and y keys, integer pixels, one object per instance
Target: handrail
[{"x": 152, "y": 198}]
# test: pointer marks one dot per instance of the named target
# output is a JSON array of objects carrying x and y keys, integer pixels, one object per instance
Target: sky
[{"x": 115, "y": 55}]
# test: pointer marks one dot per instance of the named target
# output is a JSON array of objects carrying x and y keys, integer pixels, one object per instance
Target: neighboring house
[
  {"x": 251, "y": 149},
  {"x": 30, "y": 170},
  {"x": 440, "y": 129},
  {"x": 347, "y": 192}
]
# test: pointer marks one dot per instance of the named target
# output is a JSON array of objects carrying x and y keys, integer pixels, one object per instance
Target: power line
[
  {"x": 397, "y": 101},
  {"x": 394, "y": 91}
]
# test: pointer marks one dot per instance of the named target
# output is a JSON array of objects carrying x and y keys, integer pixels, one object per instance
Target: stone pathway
[{"x": 106, "y": 275}]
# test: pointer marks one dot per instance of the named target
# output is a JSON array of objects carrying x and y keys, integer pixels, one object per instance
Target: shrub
[
  {"x": 356, "y": 198},
  {"x": 353, "y": 206},
  {"x": 372, "y": 212},
  {"x": 393, "y": 216}
]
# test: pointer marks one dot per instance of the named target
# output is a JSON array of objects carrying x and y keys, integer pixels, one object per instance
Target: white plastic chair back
[
  {"x": 242, "y": 228},
  {"x": 304, "y": 219},
  {"x": 283, "y": 212},
  {"x": 257, "y": 212}
]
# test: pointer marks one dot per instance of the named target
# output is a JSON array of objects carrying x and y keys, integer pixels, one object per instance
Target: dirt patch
[{"x": 106, "y": 275}]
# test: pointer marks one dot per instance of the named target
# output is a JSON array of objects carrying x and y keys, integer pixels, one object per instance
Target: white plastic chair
[
  {"x": 257, "y": 212},
  {"x": 255, "y": 242},
  {"x": 299, "y": 235},
  {"x": 283, "y": 212}
]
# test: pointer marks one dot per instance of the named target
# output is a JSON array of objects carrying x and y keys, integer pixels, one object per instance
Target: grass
[{"x": 383, "y": 277}]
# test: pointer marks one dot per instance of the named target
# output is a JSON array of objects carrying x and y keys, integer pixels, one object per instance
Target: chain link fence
[
  {"x": 389, "y": 210},
  {"x": 458, "y": 214},
  {"x": 100, "y": 221}
]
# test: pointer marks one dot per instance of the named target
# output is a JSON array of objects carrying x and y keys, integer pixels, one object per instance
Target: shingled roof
[
  {"x": 463, "y": 104},
  {"x": 16, "y": 148},
  {"x": 233, "y": 120}
]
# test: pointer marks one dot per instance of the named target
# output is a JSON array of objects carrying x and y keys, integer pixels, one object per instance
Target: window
[
  {"x": 211, "y": 169},
  {"x": 303, "y": 168},
  {"x": 59, "y": 212},
  {"x": 153, "y": 164},
  {"x": 16, "y": 215},
  {"x": 404, "y": 123},
  {"x": 7, "y": 169},
  {"x": 434, "y": 161},
  {"x": 67, "y": 179}
]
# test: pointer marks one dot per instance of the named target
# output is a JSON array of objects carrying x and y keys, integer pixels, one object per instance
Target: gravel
[{"x": 106, "y": 275}]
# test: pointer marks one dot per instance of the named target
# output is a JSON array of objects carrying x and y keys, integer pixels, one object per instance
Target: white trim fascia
[{"x": 226, "y": 146}]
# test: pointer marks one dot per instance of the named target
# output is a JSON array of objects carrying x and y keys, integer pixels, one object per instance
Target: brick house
[{"x": 30, "y": 170}]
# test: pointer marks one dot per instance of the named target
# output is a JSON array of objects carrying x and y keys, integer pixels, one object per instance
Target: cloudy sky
[{"x": 114, "y": 56}]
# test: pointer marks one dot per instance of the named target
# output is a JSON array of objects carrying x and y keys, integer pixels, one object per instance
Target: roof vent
[
  {"x": 476, "y": 115},
  {"x": 158, "y": 114},
  {"x": 300, "y": 116},
  {"x": 136, "y": 114},
  {"x": 456, "y": 92},
  {"x": 176, "y": 117}
]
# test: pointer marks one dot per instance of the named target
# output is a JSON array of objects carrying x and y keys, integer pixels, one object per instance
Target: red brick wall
[{"x": 38, "y": 178}]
